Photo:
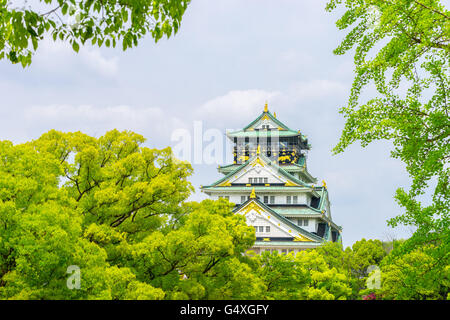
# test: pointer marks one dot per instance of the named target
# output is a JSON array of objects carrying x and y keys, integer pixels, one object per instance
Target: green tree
[
  {"x": 118, "y": 211},
  {"x": 200, "y": 259},
  {"x": 408, "y": 277},
  {"x": 105, "y": 23},
  {"x": 305, "y": 276},
  {"x": 402, "y": 51},
  {"x": 41, "y": 234},
  {"x": 359, "y": 259},
  {"x": 354, "y": 262}
]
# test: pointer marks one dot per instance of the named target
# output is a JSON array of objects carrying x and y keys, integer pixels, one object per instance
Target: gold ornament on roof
[
  {"x": 253, "y": 195},
  {"x": 275, "y": 115},
  {"x": 300, "y": 237},
  {"x": 290, "y": 184},
  {"x": 324, "y": 183},
  {"x": 225, "y": 184},
  {"x": 266, "y": 108},
  {"x": 252, "y": 206},
  {"x": 258, "y": 150}
]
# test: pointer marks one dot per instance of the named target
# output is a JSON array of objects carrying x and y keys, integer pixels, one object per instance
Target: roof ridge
[{"x": 278, "y": 122}]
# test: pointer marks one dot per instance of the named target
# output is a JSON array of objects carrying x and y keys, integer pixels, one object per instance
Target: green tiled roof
[
  {"x": 279, "y": 169},
  {"x": 285, "y": 132},
  {"x": 300, "y": 211},
  {"x": 287, "y": 243},
  {"x": 258, "y": 189},
  {"x": 263, "y": 133},
  {"x": 271, "y": 116},
  {"x": 227, "y": 176},
  {"x": 228, "y": 168}
]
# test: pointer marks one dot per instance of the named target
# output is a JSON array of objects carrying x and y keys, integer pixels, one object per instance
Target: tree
[
  {"x": 305, "y": 276},
  {"x": 354, "y": 262},
  {"x": 118, "y": 212},
  {"x": 407, "y": 277},
  {"x": 101, "y": 22},
  {"x": 402, "y": 50},
  {"x": 41, "y": 234},
  {"x": 200, "y": 259}
]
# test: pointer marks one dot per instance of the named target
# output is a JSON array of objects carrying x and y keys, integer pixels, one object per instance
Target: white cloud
[
  {"x": 152, "y": 122},
  {"x": 95, "y": 60},
  {"x": 293, "y": 60},
  {"x": 242, "y": 104},
  {"x": 54, "y": 56},
  {"x": 315, "y": 89}
]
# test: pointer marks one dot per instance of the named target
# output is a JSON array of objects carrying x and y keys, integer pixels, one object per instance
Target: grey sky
[{"x": 227, "y": 59}]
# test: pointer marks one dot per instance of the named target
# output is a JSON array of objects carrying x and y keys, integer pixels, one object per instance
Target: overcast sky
[{"x": 228, "y": 58}]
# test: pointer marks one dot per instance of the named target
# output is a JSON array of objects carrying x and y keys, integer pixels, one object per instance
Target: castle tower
[{"x": 270, "y": 185}]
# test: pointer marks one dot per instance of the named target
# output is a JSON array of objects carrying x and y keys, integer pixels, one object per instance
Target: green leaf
[{"x": 75, "y": 46}]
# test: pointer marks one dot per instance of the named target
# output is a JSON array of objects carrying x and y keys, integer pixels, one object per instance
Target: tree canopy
[
  {"x": 402, "y": 52},
  {"x": 117, "y": 212},
  {"x": 101, "y": 23}
]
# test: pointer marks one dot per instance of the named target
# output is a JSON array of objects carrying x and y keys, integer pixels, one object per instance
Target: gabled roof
[
  {"x": 227, "y": 176},
  {"x": 283, "y": 130},
  {"x": 270, "y": 116},
  {"x": 263, "y": 133},
  {"x": 292, "y": 167},
  {"x": 266, "y": 161},
  {"x": 284, "y": 220}
]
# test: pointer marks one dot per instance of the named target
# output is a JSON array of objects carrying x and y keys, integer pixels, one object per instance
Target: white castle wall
[{"x": 280, "y": 198}]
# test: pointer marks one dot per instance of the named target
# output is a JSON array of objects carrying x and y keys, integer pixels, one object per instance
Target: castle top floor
[{"x": 271, "y": 137}]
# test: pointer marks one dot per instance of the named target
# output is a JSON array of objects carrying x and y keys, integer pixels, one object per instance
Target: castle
[{"x": 270, "y": 184}]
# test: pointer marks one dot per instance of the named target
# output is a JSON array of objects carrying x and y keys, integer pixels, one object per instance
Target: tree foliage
[
  {"x": 402, "y": 50},
  {"x": 118, "y": 211},
  {"x": 408, "y": 277},
  {"x": 107, "y": 23}
]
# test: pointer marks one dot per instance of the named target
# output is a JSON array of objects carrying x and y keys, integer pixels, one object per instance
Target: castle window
[
  {"x": 250, "y": 180},
  {"x": 266, "y": 180},
  {"x": 303, "y": 222},
  {"x": 261, "y": 229},
  {"x": 260, "y": 180},
  {"x": 334, "y": 236},
  {"x": 266, "y": 199},
  {"x": 272, "y": 199},
  {"x": 267, "y": 228},
  {"x": 295, "y": 199},
  {"x": 315, "y": 202},
  {"x": 288, "y": 199}
]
